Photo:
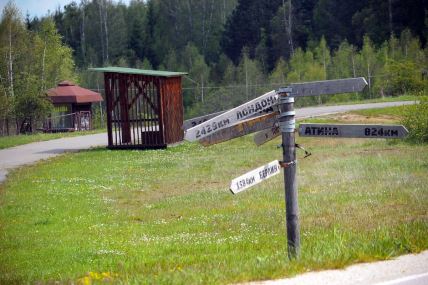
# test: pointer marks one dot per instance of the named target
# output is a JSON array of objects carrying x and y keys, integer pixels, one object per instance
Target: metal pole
[{"x": 287, "y": 126}]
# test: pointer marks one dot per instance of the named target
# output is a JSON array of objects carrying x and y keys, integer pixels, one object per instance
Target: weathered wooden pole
[{"x": 287, "y": 127}]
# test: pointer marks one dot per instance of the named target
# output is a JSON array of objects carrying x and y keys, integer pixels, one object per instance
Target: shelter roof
[
  {"x": 126, "y": 70},
  {"x": 68, "y": 92}
]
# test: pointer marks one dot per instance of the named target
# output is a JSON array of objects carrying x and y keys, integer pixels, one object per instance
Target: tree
[
  {"x": 278, "y": 75},
  {"x": 245, "y": 27},
  {"x": 368, "y": 62},
  {"x": 343, "y": 61},
  {"x": 13, "y": 36},
  {"x": 322, "y": 55},
  {"x": 36, "y": 60}
]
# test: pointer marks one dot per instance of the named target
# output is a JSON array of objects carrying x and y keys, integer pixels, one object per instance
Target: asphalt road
[
  {"x": 408, "y": 269},
  {"x": 30, "y": 153}
]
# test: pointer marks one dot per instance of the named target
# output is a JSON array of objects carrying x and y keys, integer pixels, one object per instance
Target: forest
[{"x": 233, "y": 50}]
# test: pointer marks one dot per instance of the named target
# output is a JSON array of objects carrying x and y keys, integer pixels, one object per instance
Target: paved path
[
  {"x": 405, "y": 270},
  {"x": 30, "y": 153}
]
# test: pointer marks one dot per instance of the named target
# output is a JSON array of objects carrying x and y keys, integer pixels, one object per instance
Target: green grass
[
  {"x": 390, "y": 115},
  {"x": 407, "y": 97},
  {"x": 167, "y": 217},
  {"x": 10, "y": 141},
  {"x": 396, "y": 111}
]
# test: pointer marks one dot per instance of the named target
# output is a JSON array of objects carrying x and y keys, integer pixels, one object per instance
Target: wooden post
[
  {"x": 287, "y": 127},
  {"x": 124, "y": 115},
  {"x": 109, "y": 96}
]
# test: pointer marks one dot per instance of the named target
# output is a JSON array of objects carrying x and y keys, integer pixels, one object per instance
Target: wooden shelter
[
  {"x": 72, "y": 107},
  {"x": 144, "y": 107}
]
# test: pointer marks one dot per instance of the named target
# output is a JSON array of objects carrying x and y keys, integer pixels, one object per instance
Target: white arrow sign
[
  {"x": 353, "y": 131},
  {"x": 325, "y": 87},
  {"x": 231, "y": 117},
  {"x": 255, "y": 176}
]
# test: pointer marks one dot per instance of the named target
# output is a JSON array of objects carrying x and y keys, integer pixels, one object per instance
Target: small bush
[{"x": 416, "y": 121}]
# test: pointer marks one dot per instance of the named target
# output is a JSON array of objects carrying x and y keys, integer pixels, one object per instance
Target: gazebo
[
  {"x": 72, "y": 107},
  {"x": 144, "y": 107}
]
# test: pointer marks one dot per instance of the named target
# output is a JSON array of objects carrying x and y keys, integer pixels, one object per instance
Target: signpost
[
  {"x": 255, "y": 176},
  {"x": 199, "y": 120},
  {"x": 353, "y": 131},
  {"x": 211, "y": 129},
  {"x": 231, "y": 117},
  {"x": 326, "y": 87},
  {"x": 266, "y": 135},
  {"x": 241, "y": 129}
]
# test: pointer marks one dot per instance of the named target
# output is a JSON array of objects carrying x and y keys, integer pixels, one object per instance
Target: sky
[{"x": 40, "y": 7}]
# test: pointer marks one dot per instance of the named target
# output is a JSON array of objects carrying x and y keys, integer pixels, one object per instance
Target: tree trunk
[
  {"x": 391, "y": 32},
  {"x": 246, "y": 78},
  {"x": 190, "y": 18},
  {"x": 370, "y": 80},
  {"x": 82, "y": 34},
  {"x": 101, "y": 31},
  {"x": 7, "y": 126},
  {"x": 10, "y": 65},
  {"x": 43, "y": 68},
  {"x": 106, "y": 30},
  {"x": 204, "y": 3},
  {"x": 290, "y": 27}
]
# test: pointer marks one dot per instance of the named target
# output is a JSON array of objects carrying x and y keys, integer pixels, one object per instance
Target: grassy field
[
  {"x": 10, "y": 141},
  {"x": 167, "y": 217}
]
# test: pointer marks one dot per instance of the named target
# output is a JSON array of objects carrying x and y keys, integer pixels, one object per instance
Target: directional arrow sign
[
  {"x": 199, "y": 120},
  {"x": 255, "y": 176},
  {"x": 316, "y": 88},
  {"x": 353, "y": 131},
  {"x": 241, "y": 129},
  {"x": 266, "y": 135},
  {"x": 231, "y": 117}
]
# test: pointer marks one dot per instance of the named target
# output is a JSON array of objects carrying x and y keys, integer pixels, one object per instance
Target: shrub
[{"x": 416, "y": 121}]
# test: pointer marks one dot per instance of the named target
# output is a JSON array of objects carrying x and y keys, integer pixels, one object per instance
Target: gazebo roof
[
  {"x": 68, "y": 92},
  {"x": 157, "y": 73}
]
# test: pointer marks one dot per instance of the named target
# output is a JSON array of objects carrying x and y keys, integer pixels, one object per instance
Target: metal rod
[{"x": 290, "y": 181}]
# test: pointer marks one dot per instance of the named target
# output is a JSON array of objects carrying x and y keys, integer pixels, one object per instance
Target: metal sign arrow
[
  {"x": 190, "y": 123},
  {"x": 264, "y": 136},
  {"x": 231, "y": 117},
  {"x": 241, "y": 129},
  {"x": 325, "y": 87},
  {"x": 199, "y": 120},
  {"x": 255, "y": 176},
  {"x": 353, "y": 131}
]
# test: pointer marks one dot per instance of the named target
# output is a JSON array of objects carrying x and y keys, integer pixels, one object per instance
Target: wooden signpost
[
  {"x": 353, "y": 131},
  {"x": 325, "y": 87},
  {"x": 199, "y": 120},
  {"x": 245, "y": 119},
  {"x": 315, "y": 88},
  {"x": 266, "y": 135},
  {"x": 241, "y": 129},
  {"x": 231, "y": 117}
]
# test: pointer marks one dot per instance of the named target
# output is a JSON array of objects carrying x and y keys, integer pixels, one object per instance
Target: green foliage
[
  {"x": 281, "y": 42},
  {"x": 35, "y": 61},
  {"x": 416, "y": 121},
  {"x": 404, "y": 76}
]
